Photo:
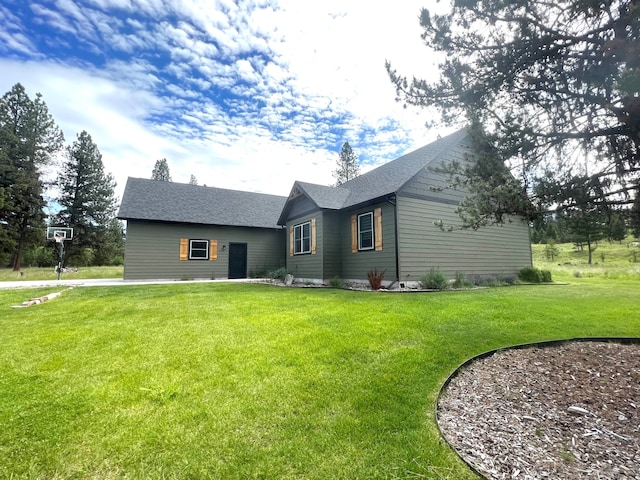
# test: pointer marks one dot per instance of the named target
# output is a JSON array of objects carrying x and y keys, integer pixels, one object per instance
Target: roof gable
[
  {"x": 155, "y": 200},
  {"x": 322, "y": 196}
]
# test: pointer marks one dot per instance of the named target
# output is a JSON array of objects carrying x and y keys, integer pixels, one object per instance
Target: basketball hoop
[{"x": 59, "y": 235}]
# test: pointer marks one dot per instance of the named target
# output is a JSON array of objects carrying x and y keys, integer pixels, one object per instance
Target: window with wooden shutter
[
  {"x": 366, "y": 231},
  {"x": 184, "y": 249},
  {"x": 198, "y": 249},
  {"x": 377, "y": 221},
  {"x": 313, "y": 236},
  {"x": 213, "y": 250}
]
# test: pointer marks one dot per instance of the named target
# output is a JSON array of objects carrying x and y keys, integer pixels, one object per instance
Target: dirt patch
[{"x": 568, "y": 411}]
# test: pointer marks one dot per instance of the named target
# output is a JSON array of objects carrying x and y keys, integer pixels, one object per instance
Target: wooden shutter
[
  {"x": 377, "y": 222},
  {"x": 291, "y": 241},
  {"x": 354, "y": 233},
  {"x": 313, "y": 236},
  {"x": 213, "y": 250},
  {"x": 184, "y": 249}
]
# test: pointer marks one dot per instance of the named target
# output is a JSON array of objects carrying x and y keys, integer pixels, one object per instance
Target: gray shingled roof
[
  {"x": 146, "y": 199},
  {"x": 383, "y": 180}
]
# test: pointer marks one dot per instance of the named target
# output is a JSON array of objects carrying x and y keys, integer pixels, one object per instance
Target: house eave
[{"x": 182, "y": 222}]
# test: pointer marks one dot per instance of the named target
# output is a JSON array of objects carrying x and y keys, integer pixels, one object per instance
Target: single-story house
[
  {"x": 386, "y": 219},
  {"x": 181, "y": 231}
]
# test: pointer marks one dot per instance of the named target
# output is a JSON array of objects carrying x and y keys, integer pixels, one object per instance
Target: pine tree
[
  {"x": 29, "y": 138},
  {"x": 347, "y": 164},
  {"x": 88, "y": 200},
  {"x": 161, "y": 171},
  {"x": 617, "y": 227}
]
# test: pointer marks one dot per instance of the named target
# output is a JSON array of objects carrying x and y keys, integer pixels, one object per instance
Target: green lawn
[{"x": 255, "y": 381}]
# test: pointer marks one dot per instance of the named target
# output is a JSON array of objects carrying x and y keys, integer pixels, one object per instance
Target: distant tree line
[{"x": 82, "y": 195}]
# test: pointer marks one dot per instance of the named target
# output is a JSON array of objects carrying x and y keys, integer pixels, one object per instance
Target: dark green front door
[{"x": 237, "y": 260}]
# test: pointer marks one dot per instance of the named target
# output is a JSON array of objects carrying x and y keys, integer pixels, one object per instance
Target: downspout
[{"x": 393, "y": 201}]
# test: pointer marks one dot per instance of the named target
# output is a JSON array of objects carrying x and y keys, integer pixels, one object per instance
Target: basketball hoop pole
[
  {"x": 59, "y": 235},
  {"x": 60, "y": 255}
]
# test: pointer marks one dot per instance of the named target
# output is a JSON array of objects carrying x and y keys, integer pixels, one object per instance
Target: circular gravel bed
[{"x": 567, "y": 410}]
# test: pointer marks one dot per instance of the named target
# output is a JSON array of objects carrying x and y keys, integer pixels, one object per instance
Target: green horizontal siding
[
  {"x": 331, "y": 245},
  {"x": 152, "y": 250},
  {"x": 492, "y": 250}
]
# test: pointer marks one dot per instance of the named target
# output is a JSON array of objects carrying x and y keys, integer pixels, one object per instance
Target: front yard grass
[{"x": 240, "y": 381}]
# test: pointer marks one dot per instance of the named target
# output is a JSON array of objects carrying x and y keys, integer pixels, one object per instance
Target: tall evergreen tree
[
  {"x": 161, "y": 171},
  {"x": 29, "y": 138},
  {"x": 347, "y": 165},
  {"x": 88, "y": 200}
]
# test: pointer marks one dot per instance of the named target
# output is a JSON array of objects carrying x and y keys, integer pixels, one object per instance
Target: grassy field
[
  {"x": 34, "y": 273},
  {"x": 610, "y": 261},
  {"x": 239, "y": 381}
]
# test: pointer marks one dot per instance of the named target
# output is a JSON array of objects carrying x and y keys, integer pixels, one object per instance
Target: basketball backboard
[{"x": 59, "y": 234}]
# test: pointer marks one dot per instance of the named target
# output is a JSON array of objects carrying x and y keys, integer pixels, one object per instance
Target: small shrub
[
  {"x": 461, "y": 281},
  {"x": 117, "y": 261},
  {"x": 375, "y": 279},
  {"x": 493, "y": 280},
  {"x": 489, "y": 281},
  {"x": 534, "y": 275},
  {"x": 277, "y": 274},
  {"x": 434, "y": 280},
  {"x": 529, "y": 274},
  {"x": 335, "y": 282}
]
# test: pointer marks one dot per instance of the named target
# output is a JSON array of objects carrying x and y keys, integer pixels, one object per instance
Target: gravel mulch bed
[{"x": 569, "y": 410}]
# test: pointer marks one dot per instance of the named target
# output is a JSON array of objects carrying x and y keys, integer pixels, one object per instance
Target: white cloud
[{"x": 306, "y": 78}]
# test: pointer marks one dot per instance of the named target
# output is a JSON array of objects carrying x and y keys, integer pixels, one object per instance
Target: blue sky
[{"x": 248, "y": 95}]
